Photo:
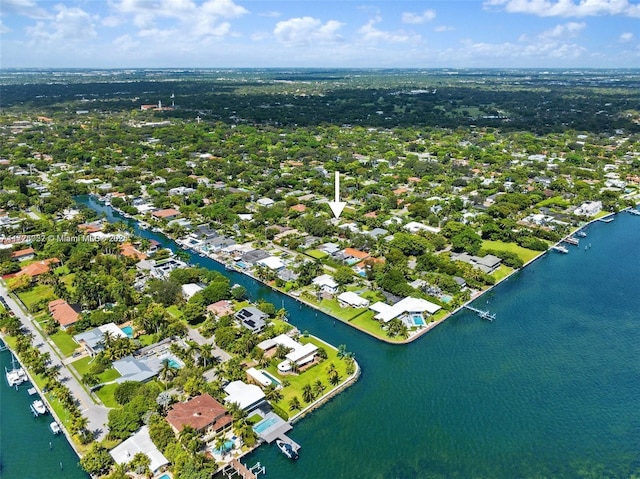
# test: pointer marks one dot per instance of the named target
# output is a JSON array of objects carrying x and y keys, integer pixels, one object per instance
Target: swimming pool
[
  {"x": 241, "y": 264},
  {"x": 417, "y": 320},
  {"x": 273, "y": 380},
  {"x": 165, "y": 476},
  {"x": 228, "y": 445},
  {"x": 128, "y": 330},
  {"x": 265, "y": 424}
]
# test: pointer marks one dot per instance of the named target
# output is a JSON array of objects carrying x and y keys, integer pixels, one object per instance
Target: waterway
[
  {"x": 550, "y": 388},
  {"x": 28, "y": 448}
]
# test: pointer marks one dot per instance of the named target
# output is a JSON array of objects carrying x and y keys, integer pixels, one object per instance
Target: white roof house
[
  {"x": 266, "y": 202},
  {"x": 272, "y": 262},
  {"x": 189, "y": 289},
  {"x": 303, "y": 354},
  {"x": 349, "y": 298},
  {"x": 326, "y": 283},
  {"x": 258, "y": 376},
  {"x": 246, "y": 396},
  {"x": 408, "y": 305},
  {"x": 414, "y": 227},
  {"x": 139, "y": 442}
]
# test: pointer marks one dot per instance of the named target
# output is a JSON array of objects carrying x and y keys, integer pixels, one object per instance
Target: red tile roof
[
  {"x": 168, "y": 213},
  {"x": 354, "y": 253},
  {"x": 37, "y": 268},
  {"x": 22, "y": 252},
  {"x": 130, "y": 251},
  {"x": 64, "y": 314},
  {"x": 200, "y": 413}
]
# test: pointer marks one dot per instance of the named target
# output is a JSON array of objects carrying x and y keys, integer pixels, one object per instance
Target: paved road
[
  {"x": 96, "y": 414},
  {"x": 194, "y": 335}
]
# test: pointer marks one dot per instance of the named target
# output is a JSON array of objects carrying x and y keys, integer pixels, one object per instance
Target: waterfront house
[
  {"x": 63, "y": 313},
  {"x": 326, "y": 284},
  {"x": 404, "y": 310},
  {"x": 203, "y": 413},
  {"x": 247, "y": 396},
  {"x": 252, "y": 318},
  {"x": 272, "y": 262},
  {"x": 487, "y": 264},
  {"x": 351, "y": 299},
  {"x": 190, "y": 289},
  {"x": 299, "y": 354},
  {"x": 166, "y": 214}
]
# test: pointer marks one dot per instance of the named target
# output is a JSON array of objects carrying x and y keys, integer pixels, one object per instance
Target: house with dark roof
[
  {"x": 252, "y": 318},
  {"x": 203, "y": 413}
]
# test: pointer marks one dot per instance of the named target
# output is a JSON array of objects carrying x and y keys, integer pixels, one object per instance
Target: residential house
[
  {"x": 93, "y": 341},
  {"x": 351, "y": 299},
  {"x": 23, "y": 254},
  {"x": 247, "y": 396},
  {"x": 190, "y": 289},
  {"x": 404, "y": 310},
  {"x": 326, "y": 284},
  {"x": 166, "y": 214},
  {"x": 203, "y": 413},
  {"x": 140, "y": 442},
  {"x": 252, "y": 318},
  {"x": 63, "y": 313},
  {"x": 488, "y": 263},
  {"x": 220, "y": 308}
]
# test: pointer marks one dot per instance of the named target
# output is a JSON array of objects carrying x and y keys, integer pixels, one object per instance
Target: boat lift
[{"x": 482, "y": 314}]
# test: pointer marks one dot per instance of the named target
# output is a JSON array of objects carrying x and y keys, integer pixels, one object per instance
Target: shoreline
[{"x": 383, "y": 339}]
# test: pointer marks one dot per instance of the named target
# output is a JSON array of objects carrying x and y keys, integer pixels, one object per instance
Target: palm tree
[
  {"x": 307, "y": 393},
  {"x": 294, "y": 404},
  {"x": 273, "y": 393},
  {"x": 167, "y": 370},
  {"x": 206, "y": 354},
  {"x": 319, "y": 387}
]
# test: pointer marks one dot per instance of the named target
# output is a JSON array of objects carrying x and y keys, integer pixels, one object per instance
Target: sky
[{"x": 319, "y": 33}]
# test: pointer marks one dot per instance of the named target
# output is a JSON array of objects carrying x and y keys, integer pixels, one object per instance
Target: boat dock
[
  {"x": 560, "y": 249},
  {"x": 235, "y": 467},
  {"x": 483, "y": 314},
  {"x": 572, "y": 240},
  {"x": 634, "y": 211},
  {"x": 607, "y": 219}
]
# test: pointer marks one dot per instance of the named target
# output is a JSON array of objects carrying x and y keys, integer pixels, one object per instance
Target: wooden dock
[
  {"x": 236, "y": 467},
  {"x": 634, "y": 211},
  {"x": 571, "y": 240},
  {"x": 483, "y": 314}
]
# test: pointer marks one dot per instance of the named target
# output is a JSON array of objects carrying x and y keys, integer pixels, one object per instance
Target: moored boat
[
  {"x": 287, "y": 449},
  {"x": 55, "y": 428},
  {"x": 38, "y": 407}
]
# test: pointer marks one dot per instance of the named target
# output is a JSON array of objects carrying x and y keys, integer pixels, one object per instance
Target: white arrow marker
[{"x": 337, "y": 206}]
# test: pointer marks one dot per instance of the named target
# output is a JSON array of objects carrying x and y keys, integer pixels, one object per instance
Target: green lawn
[
  {"x": 502, "y": 272},
  {"x": 524, "y": 254},
  {"x": 83, "y": 366},
  {"x": 105, "y": 393},
  {"x": 316, "y": 254},
  {"x": 332, "y": 307},
  {"x": 309, "y": 376},
  {"x": 174, "y": 311},
  {"x": 38, "y": 294},
  {"x": 64, "y": 342}
]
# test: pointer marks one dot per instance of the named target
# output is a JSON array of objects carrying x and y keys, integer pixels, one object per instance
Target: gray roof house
[{"x": 252, "y": 318}]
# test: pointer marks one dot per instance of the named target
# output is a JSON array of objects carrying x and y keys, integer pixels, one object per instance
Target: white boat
[
  {"x": 560, "y": 248},
  {"x": 287, "y": 449},
  {"x": 15, "y": 376},
  {"x": 55, "y": 428},
  {"x": 38, "y": 407}
]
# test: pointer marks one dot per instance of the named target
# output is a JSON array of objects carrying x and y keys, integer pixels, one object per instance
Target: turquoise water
[
  {"x": 265, "y": 424},
  {"x": 165, "y": 476},
  {"x": 28, "y": 448},
  {"x": 228, "y": 445},
  {"x": 174, "y": 364},
  {"x": 550, "y": 388},
  {"x": 417, "y": 320},
  {"x": 128, "y": 330}
]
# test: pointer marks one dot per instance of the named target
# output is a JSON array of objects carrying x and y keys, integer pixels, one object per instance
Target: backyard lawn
[
  {"x": 105, "y": 393},
  {"x": 316, "y": 254},
  {"x": 310, "y": 376},
  {"x": 38, "y": 294},
  {"x": 524, "y": 254},
  {"x": 64, "y": 342},
  {"x": 83, "y": 366}
]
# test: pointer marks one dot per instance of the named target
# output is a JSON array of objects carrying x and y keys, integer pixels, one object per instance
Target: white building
[
  {"x": 139, "y": 442},
  {"x": 589, "y": 208},
  {"x": 189, "y": 289},
  {"x": 326, "y": 283},
  {"x": 266, "y": 202},
  {"x": 414, "y": 227},
  {"x": 272, "y": 262},
  {"x": 246, "y": 396},
  {"x": 406, "y": 307},
  {"x": 351, "y": 299}
]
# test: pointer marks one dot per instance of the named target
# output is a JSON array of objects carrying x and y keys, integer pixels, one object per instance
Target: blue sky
[{"x": 320, "y": 33}]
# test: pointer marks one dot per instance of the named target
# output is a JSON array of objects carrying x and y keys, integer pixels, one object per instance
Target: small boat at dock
[
  {"x": 560, "y": 249},
  {"x": 55, "y": 428},
  {"x": 287, "y": 449},
  {"x": 581, "y": 234},
  {"x": 38, "y": 407}
]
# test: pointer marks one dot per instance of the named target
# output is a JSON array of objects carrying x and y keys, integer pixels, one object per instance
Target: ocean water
[
  {"x": 550, "y": 388},
  {"x": 28, "y": 448}
]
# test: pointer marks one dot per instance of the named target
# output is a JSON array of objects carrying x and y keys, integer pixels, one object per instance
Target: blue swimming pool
[
  {"x": 418, "y": 320},
  {"x": 165, "y": 476},
  {"x": 273, "y": 380},
  {"x": 228, "y": 445},
  {"x": 174, "y": 363},
  {"x": 265, "y": 424},
  {"x": 241, "y": 264},
  {"x": 128, "y": 330}
]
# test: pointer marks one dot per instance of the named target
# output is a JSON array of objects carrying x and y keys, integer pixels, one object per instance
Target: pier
[
  {"x": 236, "y": 467},
  {"x": 607, "y": 219},
  {"x": 483, "y": 314},
  {"x": 560, "y": 249},
  {"x": 571, "y": 240},
  {"x": 634, "y": 211}
]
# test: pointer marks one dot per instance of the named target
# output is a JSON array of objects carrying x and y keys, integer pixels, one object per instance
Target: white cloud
[
  {"x": 417, "y": 18},
  {"x": 307, "y": 30},
  {"x": 4, "y": 28},
  {"x": 27, "y": 8},
  {"x": 626, "y": 37},
  {"x": 567, "y": 8},
  {"x": 68, "y": 24},
  {"x": 570, "y": 29},
  {"x": 371, "y": 34},
  {"x": 270, "y": 14},
  {"x": 443, "y": 28}
]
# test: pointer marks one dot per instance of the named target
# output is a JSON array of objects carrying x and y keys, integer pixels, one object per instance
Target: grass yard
[
  {"x": 38, "y": 294},
  {"x": 174, "y": 311},
  {"x": 64, "y": 342},
  {"x": 332, "y": 307},
  {"x": 316, "y": 254},
  {"x": 524, "y": 254},
  {"x": 83, "y": 366},
  {"x": 310, "y": 376},
  {"x": 502, "y": 272},
  {"x": 105, "y": 393}
]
